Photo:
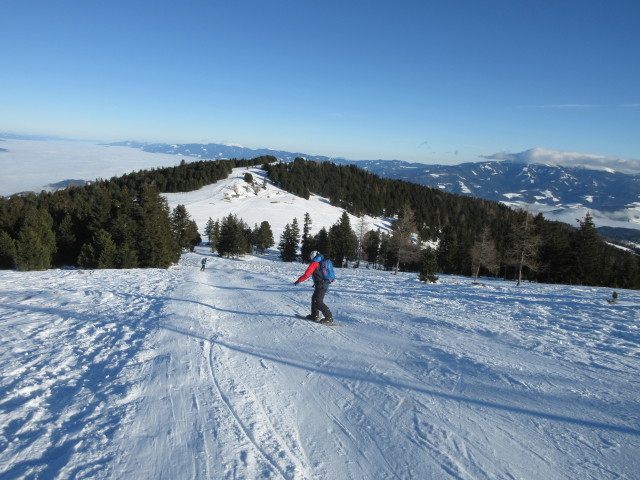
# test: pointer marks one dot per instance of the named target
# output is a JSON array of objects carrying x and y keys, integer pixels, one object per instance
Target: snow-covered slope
[
  {"x": 261, "y": 201},
  {"x": 147, "y": 374},
  {"x": 177, "y": 373}
]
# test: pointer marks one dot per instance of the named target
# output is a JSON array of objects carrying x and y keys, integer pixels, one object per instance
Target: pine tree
[
  {"x": 588, "y": 250},
  {"x": 100, "y": 252},
  {"x": 428, "y": 266},
  {"x": 295, "y": 231},
  {"x": 66, "y": 250},
  {"x": 263, "y": 237},
  {"x": 209, "y": 230},
  {"x": 36, "y": 241},
  {"x": 321, "y": 241},
  {"x": 372, "y": 246},
  {"x": 156, "y": 245},
  {"x": 7, "y": 252},
  {"x": 184, "y": 229},
  {"x": 387, "y": 253},
  {"x": 307, "y": 244},
  {"x": 446, "y": 249},
  {"x": 126, "y": 257},
  {"x": 231, "y": 242},
  {"x": 288, "y": 245},
  {"x": 342, "y": 241}
]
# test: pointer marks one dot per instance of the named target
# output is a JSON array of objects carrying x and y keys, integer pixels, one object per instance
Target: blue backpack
[{"x": 327, "y": 270}]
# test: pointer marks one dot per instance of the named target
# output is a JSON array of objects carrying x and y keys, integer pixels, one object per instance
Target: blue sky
[{"x": 426, "y": 81}]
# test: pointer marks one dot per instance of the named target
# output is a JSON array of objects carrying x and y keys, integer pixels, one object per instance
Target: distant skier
[
  {"x": 321, "y": 285},
  {"x": 203, "y": 263}
]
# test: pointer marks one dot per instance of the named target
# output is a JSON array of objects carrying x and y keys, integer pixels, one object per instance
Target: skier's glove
[{"x": 296, "y": 282}]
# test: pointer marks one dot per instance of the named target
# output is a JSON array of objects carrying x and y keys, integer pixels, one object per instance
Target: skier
[
  {"x": 204, "y": 264},
  {"x": 320, "y": 288}
]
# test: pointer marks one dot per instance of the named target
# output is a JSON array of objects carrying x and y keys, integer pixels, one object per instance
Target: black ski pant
[{"x": 317, "y": 302}]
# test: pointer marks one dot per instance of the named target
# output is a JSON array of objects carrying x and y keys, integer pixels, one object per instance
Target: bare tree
[
  {"x": 524, "y": 246},
  {"x": 483, "y": 254},
  {"x": 362, "y": 230},
  {"x": 401, "y": 238}
]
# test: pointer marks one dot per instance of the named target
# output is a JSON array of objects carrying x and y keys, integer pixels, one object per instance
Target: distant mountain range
[
  {"x": 216, "y": 151},
  {"x": 559, "y": 192}
]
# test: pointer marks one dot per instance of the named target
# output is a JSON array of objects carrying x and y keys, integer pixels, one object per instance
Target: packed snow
[{"x": 179, "y": 373}]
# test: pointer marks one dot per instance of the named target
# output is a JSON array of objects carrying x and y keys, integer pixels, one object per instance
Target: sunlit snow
[{"x": 178, "y": 373}]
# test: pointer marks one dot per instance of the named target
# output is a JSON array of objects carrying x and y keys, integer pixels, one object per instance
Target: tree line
[
  {"x": 469, "y": 236},
  {"x": 123, "y": 222},
  {"x": 126, "y": 223}
]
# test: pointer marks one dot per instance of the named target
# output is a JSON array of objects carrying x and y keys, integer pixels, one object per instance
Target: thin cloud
[
  {"x": 560, "y": 106},
  {"x": 570, "y": 159}
]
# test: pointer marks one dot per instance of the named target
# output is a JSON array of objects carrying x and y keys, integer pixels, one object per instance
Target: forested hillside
[
  {"x": 474, "y": 236},
  {"x": 119, "y": 223},
  {"x": 126, "y": 223}
]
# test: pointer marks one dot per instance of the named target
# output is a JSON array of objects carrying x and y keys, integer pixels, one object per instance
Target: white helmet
[{"x": 313, "y": 254}]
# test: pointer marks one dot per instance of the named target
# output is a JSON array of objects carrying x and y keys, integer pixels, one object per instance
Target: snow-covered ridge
[{"x": 262, "y": 201}]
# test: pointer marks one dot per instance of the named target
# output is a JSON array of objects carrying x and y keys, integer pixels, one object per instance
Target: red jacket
[{"x": 310, "y": 269}]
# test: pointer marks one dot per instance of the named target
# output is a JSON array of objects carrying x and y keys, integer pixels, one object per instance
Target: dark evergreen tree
[
  {"x": 36, "y": 243},
  {"x": 588, "y": 252},
  {"x": 428, "y": 266},
  {"x": 66, "y": 250},
  {"x": 184, "y": 229},
  {"x": 263, "y": 237},
  {"x": 216, "y": 235},
  {"x": 232, "y": 242},
  {"x": 288, "y": 245},
  {"x": 156, "y": 245},
  {"x": 209, "y": 230},
  {"x": 321, "y": 241},
  {"x": 343, "y": 242},
  {"x": 7, "y": 252},
  {"x": 295, "y": 231},
  {"x": 557, "y": 252},
  {"x": 100, "y": 252},
  {"x": 387, "y": 253},
  {"x": 372, "y": 246},
  {"x": 307, "y": 243},
  {"x": 447, "y": 248}
]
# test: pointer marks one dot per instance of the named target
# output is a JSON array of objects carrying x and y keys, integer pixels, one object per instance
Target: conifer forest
[{"x": 125, "y": 222}]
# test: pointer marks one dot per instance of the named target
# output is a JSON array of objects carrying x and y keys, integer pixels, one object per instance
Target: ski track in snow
[
  {"x": 177, "y": 373},
  {"x": 185, "y": 374}
]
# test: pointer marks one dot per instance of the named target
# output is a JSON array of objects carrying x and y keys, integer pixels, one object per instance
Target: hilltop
[{"x": 261, "y": 201}]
